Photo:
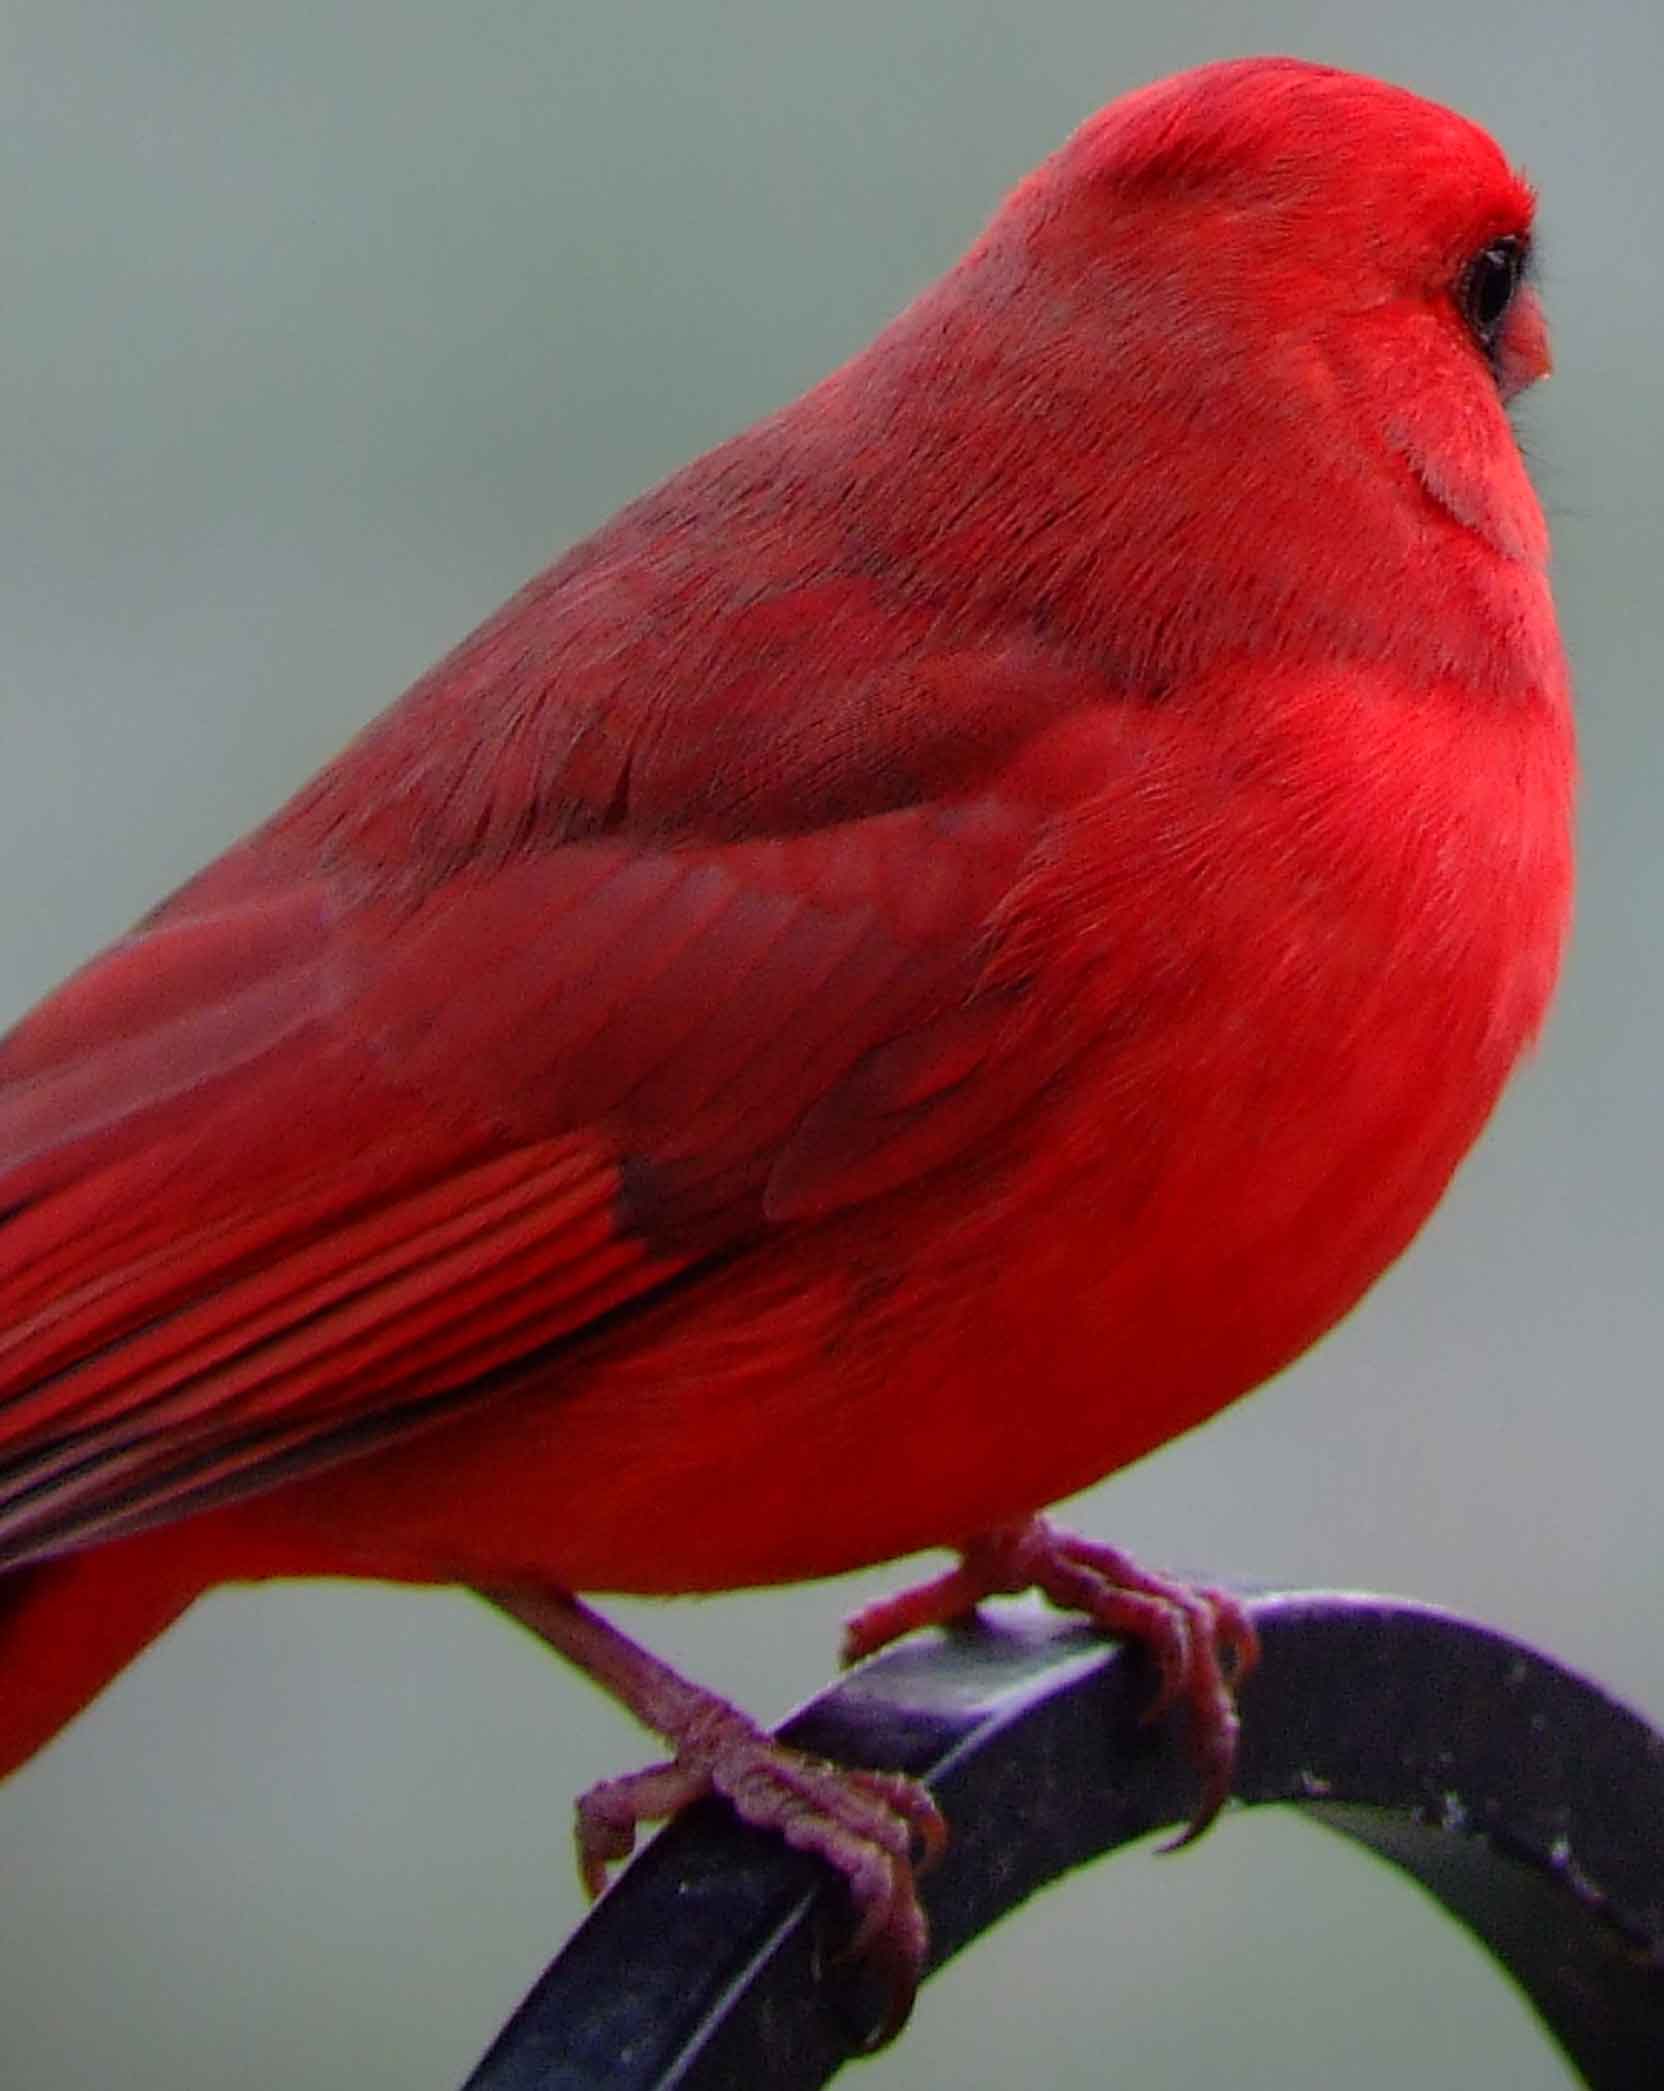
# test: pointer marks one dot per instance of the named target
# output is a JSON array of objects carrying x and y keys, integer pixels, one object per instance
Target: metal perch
[{"x": 1523, "y": 1797}]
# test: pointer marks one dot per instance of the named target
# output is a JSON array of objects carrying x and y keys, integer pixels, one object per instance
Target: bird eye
[{"x": 1488, "y": 286}]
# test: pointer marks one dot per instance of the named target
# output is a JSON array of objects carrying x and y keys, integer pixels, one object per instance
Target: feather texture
[{"x": 941, "y": 946}]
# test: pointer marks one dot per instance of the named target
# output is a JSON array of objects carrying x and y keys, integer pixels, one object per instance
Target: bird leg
[
  {"x": 864, "y": 1824},
  {"x": 1202, "y": 1640}
]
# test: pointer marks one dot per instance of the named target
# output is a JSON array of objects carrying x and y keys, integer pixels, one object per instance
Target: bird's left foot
[
  {"x": 1202, "y": 1640},
  {"x": 876, "y": 1829}
]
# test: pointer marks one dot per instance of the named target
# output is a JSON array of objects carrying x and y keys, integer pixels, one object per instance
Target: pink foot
[
  {"x": 864, "y": 1824},
  {"x": 1203, "y": 1641}
]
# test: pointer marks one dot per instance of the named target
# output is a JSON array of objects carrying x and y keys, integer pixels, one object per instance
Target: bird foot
[
  {"x": 866, "y": 1825},
  {"x": 1202, "y": 1640}
]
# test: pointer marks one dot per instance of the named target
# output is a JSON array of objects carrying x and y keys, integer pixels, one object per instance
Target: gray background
[{"x": 323, "y": 326}]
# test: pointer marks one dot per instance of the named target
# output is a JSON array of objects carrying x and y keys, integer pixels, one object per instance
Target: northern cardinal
[{"x": 934, "y": 951}]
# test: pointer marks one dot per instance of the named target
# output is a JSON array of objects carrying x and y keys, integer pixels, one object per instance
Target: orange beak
[{"x": 1524, "y": 354}]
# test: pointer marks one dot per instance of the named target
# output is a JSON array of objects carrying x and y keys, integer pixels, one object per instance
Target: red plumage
[{"x": 943, "y": 945}]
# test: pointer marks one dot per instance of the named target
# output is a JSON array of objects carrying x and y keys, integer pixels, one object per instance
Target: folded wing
[{"x": 285, "y": 1176}]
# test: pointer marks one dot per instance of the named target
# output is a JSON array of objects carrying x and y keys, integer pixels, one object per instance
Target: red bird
[{"x": 943, "y": 945}]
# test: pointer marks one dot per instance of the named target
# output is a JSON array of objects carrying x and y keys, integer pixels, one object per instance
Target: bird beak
[{"x": 1525, "y": 353}]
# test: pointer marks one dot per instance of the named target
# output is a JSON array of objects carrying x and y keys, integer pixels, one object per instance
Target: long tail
[{"x": 69, "y": 1626}]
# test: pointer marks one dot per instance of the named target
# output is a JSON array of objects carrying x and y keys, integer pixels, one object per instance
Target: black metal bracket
[{"x": 1523, "y": 1797}]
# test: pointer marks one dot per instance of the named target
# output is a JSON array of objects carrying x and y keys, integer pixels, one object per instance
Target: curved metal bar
[{"x": 1523, "y": 1797}]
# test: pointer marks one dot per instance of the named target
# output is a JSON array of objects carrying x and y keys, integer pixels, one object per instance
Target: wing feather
[{"x": 311, "y": 1157}]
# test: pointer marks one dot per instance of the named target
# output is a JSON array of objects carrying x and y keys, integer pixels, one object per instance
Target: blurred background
[{"x": 324, "y": 326}]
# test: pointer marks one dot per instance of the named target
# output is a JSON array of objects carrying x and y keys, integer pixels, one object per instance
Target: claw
[
  {"x": 1202, "y": 1641},
  {"x": 864, "y": 1824}
]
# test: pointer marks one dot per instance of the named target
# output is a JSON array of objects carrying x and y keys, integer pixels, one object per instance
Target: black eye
[{"x": 1488, "y": 286}]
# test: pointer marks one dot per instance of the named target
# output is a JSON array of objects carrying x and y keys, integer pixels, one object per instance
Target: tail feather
[{"x": 69, "y": 1626}]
